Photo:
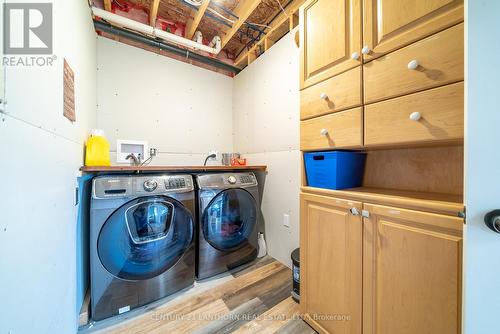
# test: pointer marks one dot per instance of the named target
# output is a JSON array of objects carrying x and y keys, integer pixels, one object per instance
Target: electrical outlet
[
  {"x": 216, "y": 155},
  {"x": 286, "y": 220}
]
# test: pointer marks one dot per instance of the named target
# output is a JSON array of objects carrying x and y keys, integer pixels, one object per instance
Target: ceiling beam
[
  {"x": 274, "y": 26},
  {"x": 153, "y": 12},
  {"x": 107, "y": 5},
  {"x": 243, "y": 11},
  {"x": 192, "y": 24}
]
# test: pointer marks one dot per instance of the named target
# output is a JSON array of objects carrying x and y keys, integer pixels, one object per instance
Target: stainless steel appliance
[
  {"x": 142, "y": 240},
  {"x": 229, "y": 211}
]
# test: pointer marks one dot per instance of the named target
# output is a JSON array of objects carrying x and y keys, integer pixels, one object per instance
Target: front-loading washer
[
  {"x": 141, "y": 240},
  {"x": 229, "y": 213}
]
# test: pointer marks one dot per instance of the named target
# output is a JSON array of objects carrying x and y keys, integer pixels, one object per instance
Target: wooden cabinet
[
  {"x": 412, "y": 264},
  {"x": 330, "y": 33},
  {"x": 338, "y": 130},
  {"x": 408, "y": 93},
  {"x": 331, "y": 264},
  {"x": 389, "y": 25},
  {"x": 435, "y": 61},
  {"x": 335, "y": 94},
  {"x": 431, "y": 116}
]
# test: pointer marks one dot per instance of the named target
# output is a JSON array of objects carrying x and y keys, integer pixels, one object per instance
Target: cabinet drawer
[
  {"x": 338, "y": 93},
  {"x": 338, "y": 130},
  {"x": 441, "y": 113},
  {"x": 440, "y": 60}
]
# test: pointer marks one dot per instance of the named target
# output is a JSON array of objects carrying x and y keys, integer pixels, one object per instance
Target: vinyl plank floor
[
  {"x": 272, "y": 320},
  {"x": 250, "y": 299},
  {"x": 244, "y": 269}
]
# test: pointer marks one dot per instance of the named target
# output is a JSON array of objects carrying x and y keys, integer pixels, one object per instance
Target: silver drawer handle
[{"x": 324, "y": 132}]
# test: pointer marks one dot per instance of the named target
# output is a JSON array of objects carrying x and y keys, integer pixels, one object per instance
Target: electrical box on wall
[{"x": 126, "y": 147}]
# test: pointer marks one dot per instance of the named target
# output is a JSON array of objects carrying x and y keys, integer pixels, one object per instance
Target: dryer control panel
[{"x": 226, "y": 180}]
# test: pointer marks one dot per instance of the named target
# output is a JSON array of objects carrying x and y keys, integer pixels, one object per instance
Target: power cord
[{"x": 211, "y": 156}]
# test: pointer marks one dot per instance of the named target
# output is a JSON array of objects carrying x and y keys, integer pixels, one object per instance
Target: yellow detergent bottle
[{"x": 97, "y": 149}]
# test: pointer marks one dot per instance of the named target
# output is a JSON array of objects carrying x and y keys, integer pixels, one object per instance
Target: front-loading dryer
[
  {"x": 141, "y": 240},
  {"x": 227, "y": 232}
]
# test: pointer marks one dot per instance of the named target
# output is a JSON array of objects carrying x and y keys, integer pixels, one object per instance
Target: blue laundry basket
[{"x": 335, "y": 169}]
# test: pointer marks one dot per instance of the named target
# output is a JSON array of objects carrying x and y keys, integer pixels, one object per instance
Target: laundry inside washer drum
[
  {"x": 229, "y": 219},
  {"x": 152, "y": 238}
]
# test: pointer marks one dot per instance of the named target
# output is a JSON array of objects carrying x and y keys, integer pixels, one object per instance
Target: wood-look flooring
[{"x": 255, "y": 299}]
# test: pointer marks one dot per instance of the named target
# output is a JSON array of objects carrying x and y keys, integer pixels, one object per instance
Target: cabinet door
[
  {"x": 390, "y": 25},
  {"x": 331, "y": 264},
  {"x": 411, "y": 272},
  {"x": 330, "y": 32}
]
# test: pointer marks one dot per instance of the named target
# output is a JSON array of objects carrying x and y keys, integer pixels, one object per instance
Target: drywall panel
[
  {"x": 176, "y": 107},
  {"x": 35, "y": 93},
  {"x": 482, "y": 168},
  {"x": 266, "y": 131},
  {"x": 38, "y": 230},
  {"x": 42, "y": 282},
  {"x": 280, "y": 197},
  {"x": 266, "y": 101},
  {"x": 177, "y": 159}
]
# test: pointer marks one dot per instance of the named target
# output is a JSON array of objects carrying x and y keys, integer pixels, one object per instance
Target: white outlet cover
[
  {"x": 216, "y": 154},
  {"x": 126, "y": 147},
  {"x": 286, "y": 220}
]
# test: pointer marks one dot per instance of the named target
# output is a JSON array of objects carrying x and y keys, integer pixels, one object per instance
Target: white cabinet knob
[
  {"x": 355, "y": 55},
  {"x": 415, "y": 116},
  {"x": 365, "y": 50},
  {"x": 323, "y": 96},
  {"x": 324, "y": 132},
  {"x": 412, "y": 65}
]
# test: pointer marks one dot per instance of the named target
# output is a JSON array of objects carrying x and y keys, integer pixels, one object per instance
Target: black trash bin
[{"x": 296, "y": 274}]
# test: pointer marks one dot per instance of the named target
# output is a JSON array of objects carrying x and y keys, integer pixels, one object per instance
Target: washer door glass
[
  {"x": 229, "y": 219},
  {"x": 145, "y": 237}
]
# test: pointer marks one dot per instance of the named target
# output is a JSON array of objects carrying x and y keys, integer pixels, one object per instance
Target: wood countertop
[{"x": 124, "y": 169}]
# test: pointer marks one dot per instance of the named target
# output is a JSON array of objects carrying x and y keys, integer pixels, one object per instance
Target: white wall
[
  {"x": 266, "y": 131},
  {"x": 182, "y": 110},
  {"x": 41, "y": 153},
  {"x": 482, "y": 183},
  {"x": 2, "y": 76}
]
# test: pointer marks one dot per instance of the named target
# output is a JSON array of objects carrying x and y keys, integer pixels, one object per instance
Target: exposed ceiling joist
[
  {"x": 276, "y": 25},
  {"x": 192, "y": 25},
  {"x": 153, "y": 12},
  {"x": 243, "y": 11},
  {"x": 107, "y": 5}
]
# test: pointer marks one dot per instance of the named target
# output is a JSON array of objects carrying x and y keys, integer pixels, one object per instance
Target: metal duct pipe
[
  {"x": 108, "y": 28},
  {"x": 151, "y": 31},
  {"x": 207, "y": 14}
]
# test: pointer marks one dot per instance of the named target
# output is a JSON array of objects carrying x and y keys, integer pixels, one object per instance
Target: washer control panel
[
  {"x": 126, "y": 186},
  {"x": 150, "y": 185},
  {"x": 175, "y": 183}
]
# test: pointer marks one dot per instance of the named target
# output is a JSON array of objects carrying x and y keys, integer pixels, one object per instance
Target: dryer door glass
[
  {"x": 145, "y": 237},
  {"x": 229, "y": 219}
]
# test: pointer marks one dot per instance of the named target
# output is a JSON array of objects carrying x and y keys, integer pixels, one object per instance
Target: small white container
[{"x": 262, "y": 245}]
